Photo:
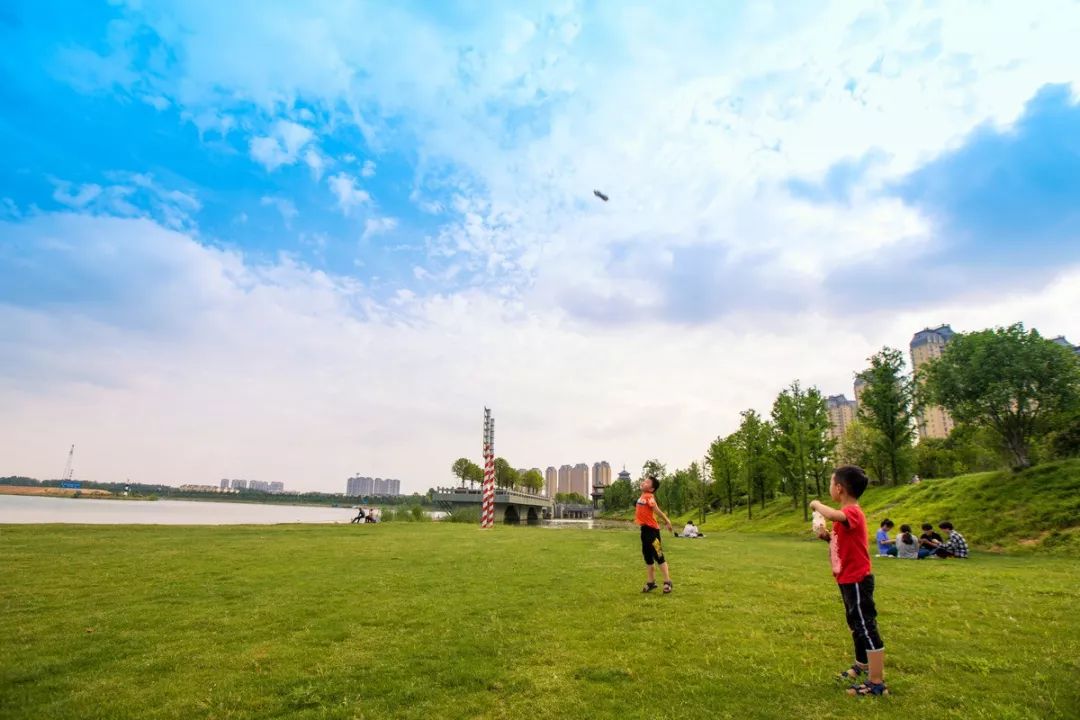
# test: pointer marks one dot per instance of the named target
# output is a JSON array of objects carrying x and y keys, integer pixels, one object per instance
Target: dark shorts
[{"x": 651, "y": 549}]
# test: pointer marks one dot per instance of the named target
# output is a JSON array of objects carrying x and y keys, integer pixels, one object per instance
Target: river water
[{"x": 36, "y": 509}]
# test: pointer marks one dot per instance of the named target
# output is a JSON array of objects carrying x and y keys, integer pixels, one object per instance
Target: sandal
[
  {"x": 649, "y": 587},
  {"x": 667, "y": 587},
  {"x": 869, "y": 688},
  {"x": 854, "y": 672}
]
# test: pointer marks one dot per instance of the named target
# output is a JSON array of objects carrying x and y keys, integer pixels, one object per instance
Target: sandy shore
[{"x": 61, "y": 492}]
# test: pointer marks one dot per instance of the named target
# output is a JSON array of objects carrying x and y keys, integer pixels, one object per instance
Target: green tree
[
  {"x": 753, "y": 441},
  {"x": 725, "y": 464},
  {"x": 505, "y": 475},
  {"x": 532, "y": 480},
  {"x": 1010, "y": 380},
  {"x": 619, "y": 495},
  {"x": 861, "y": 445},
  {"x": 654, "y": 467},
  {"x": 475, "y": 474},
  {"x": 820, "y": 444},
  {"x": 790, "y": 422},
  {"x": 462, "y": 469},
  {"x": 886, "y": 406}
]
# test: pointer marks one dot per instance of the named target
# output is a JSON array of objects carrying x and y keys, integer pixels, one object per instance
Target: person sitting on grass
[
  {"x": 928, "y": 541},
  {"x": 691, "y": 530},
  {"x": 850, "y": 558},
  {"x": 955, "y": 546},
  {"x": 907, "y": 545},
  {"x": 651, "y": 548},
  {"x": 885, "y": 546}
]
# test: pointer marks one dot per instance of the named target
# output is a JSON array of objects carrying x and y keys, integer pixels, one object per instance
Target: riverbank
[
  {"x": 53, "y": 491},
  {"x": 421, "y": 620}
]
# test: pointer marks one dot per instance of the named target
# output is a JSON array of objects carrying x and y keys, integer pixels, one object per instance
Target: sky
[{"x": 299, "y": 241}]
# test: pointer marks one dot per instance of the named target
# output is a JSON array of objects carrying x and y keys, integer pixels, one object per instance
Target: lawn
[{"x": 447, "y": 621}]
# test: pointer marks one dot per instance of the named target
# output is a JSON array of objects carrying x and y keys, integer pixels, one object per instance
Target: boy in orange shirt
[{"x": 651, "y": 549}]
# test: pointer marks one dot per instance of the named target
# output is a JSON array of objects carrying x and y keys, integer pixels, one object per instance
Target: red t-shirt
[
  {"x": 643, "y": 512},
  {"x": 847, "y": 549}
]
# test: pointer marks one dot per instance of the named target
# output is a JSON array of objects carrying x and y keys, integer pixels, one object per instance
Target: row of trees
[
  {"x": 505, "y": 475},
  {"x": 1014, "y": 395}
]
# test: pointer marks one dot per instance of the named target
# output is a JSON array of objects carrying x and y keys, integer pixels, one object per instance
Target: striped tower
[{"x": 487, "y": 508}]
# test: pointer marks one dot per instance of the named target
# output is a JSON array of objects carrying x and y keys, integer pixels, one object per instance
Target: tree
[
  {"x": 820, "y": 444},
  {"x": 462, "y": 470},
  {"x": 725, "y": 463},
  {"x": 505, "y": 475},
  {"x": 1007, "y": 379},
  {"x": 476, "y": 474},
  {"x": 886, "y": 406},
  {"x": 619, "y": 495},
  {"x": 790, "y": 430},
  {"x": 532, "y": 480},
  {"x": 654, "y": 467},
  {"x": 753, "y": 442},
  {"x": 861, "y": 445}
]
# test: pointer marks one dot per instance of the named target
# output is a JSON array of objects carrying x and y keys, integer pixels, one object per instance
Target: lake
[{"x": 25, "y": 509}]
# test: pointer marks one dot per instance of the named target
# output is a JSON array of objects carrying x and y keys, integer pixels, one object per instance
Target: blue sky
[{"x": 333, "y": 228}]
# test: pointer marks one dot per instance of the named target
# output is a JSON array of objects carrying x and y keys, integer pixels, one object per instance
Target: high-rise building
[
  {"x": 601, "y": 474},
  {"x": 842, "y": 413},
  {"x": 860, "y": 385},
  {"x": 579, "y": 479},
  {"x": 564, "y": 479},
  {"x": 551, "y": 481},
  {"x": 258, "y": 486},
  {"x": 277, "y": 487},
  {"x": 933, "y": 421},
  {"x": 239, "y": 484},
  {"x": 224, "y": 484}
]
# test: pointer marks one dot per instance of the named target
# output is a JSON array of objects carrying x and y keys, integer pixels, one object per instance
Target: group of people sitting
[{"x": 929, "y": 544}]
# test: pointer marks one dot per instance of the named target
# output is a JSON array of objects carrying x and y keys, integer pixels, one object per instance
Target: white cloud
[
  {"x": 334, "y": 380},
  {"x": 348, "y": 193},
  {"x": 282, "y": 146},
  {"x": 369, "y": 169},
  {"x": 316, "y": 162},
  {"x": 378, "y": 226}
]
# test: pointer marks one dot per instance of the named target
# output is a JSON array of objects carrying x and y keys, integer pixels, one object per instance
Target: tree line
[
  {"x": 506, "y": 476},
  {"x": 1014, "y": 397}
]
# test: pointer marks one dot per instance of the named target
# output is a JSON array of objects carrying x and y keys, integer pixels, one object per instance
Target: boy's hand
[
  {"x": 824, "y": 535},
  {"x": 668, "y": 523},
  {"x": 814, "y": 504}
]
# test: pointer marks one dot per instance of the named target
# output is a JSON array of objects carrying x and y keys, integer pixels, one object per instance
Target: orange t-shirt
[{"x": 643, "y": 514}]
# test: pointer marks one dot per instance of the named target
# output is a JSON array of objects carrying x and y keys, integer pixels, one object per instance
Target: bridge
[{"x": 511, "y": 506}]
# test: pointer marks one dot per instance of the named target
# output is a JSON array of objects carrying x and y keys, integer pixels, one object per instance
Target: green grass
[
  {"x": 1038, "y": 509},
  {"x": 427, "y": 620}
]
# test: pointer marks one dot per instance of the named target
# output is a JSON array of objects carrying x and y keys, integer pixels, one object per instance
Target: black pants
[
  {"x": 651, "y": 549},
  {"x": 862, "y": 617}
]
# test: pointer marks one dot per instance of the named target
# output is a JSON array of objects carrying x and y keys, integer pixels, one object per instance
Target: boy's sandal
[
  {"x": 852, "y": 673},
  {"x": 869, "y": 688},
  {"x": 649, "y": 587},
  {"x": 667, "y": 587}
]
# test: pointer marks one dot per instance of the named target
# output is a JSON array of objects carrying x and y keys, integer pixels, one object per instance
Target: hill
[{"x": 1037, "y": 509}]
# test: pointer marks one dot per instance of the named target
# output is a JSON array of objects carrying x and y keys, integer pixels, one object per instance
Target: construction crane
[{"x": 69, "y": 468}]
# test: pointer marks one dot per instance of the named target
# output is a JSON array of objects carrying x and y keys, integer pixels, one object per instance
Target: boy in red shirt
[
  {"x": 651, "y": 548},
  {"x": 851, "y": 567}
]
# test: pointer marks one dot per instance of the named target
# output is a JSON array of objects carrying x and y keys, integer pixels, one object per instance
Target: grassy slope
[
  {"x": 437, "y": 620},
  {"x": 1035, "y": 509}
]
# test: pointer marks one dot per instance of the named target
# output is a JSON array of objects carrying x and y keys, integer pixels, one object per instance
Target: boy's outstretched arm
[
  {"x": 667, "y": 520},
  {"x": 827, "y": 512}
]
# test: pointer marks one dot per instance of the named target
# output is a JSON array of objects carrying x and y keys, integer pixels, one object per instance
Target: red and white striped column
[{"x": 487, "y": 508}]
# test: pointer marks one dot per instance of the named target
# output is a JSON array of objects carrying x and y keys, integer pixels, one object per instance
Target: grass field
[
  {"x": 1037, "y": 510},
  {"x": 447, "y": 621}
]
